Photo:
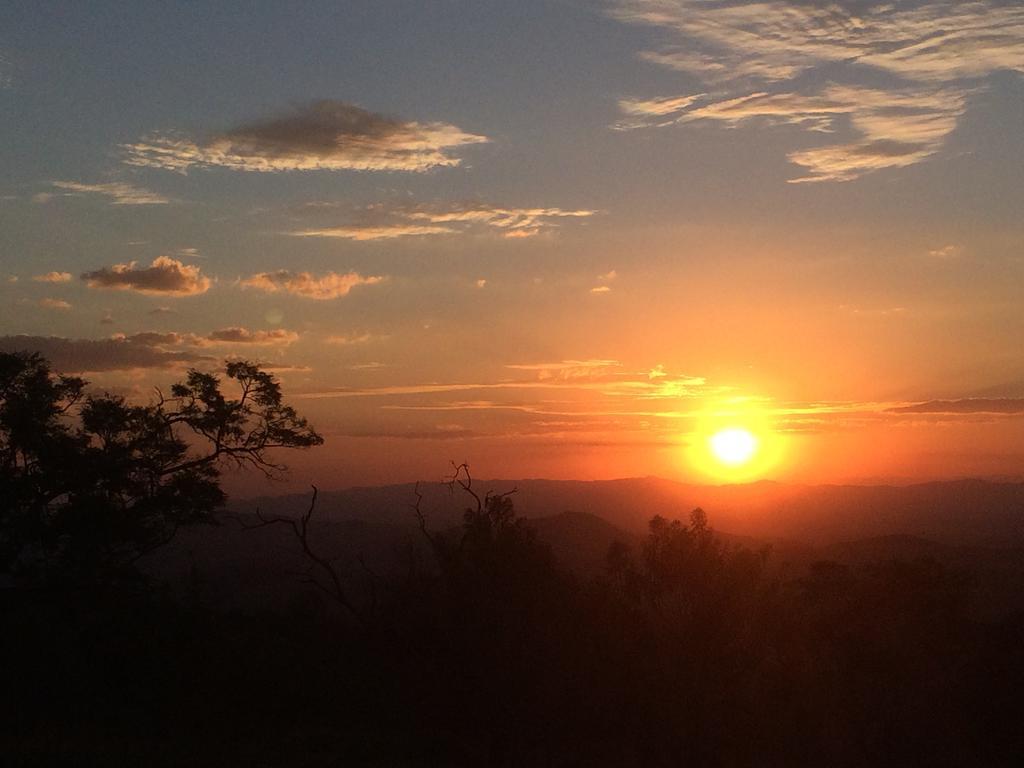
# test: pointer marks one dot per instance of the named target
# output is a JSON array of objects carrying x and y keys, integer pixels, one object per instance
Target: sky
[{"x": 562, "y": 238}]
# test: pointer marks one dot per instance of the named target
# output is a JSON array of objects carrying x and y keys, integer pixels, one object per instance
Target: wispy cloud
[
  {"x": 947, "y": 252},
  {"x": 653, "y": 113},
  {"x": 363, "y": 233},
  {"x": 53, "y": 277},
  {"x": 221, "y": 337},
  {"x": 1004, "y": 406},
  {"x": 91, "y": 355},
  {"x": 59, "y": 304},
  {"x": 379, "y": 223},
  {"x": 331, "y": 285},
  {"x": 566, "y": 370},
  {"x": 165, "y": 276},
  {"x": 604, "y": 280},
  {"x": 752, "y": 52},
  {"x": 604, "y": 377},
  {"x": 521, "y": 221},
  {"x": 119, "y": 193},
  {"x": 325, "y": 135},
  {"x": 342, "y": 340}
]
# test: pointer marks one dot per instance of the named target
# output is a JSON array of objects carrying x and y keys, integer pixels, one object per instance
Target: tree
[{"x": 91, "y": 483}]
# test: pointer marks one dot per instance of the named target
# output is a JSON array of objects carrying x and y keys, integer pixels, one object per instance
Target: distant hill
[
  {"x": 580, "y": 540},
  {"x": 962, "y": 512},
  {"x": 973, "y": 526}
]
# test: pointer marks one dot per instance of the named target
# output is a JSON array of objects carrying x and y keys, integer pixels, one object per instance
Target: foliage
[{"x": 90, "y": 483}]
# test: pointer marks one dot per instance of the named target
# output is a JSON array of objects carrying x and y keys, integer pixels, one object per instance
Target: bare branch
[
  {"x": 466, "y": 484},
  {"x": 300, "y": 528}
]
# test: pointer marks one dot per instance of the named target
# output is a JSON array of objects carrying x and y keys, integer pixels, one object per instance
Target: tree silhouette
[{"x": 89, "y": 484}]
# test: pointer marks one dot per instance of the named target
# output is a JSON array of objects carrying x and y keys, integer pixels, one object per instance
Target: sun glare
[
  {"x": 734, "y": 446},
  {"x": 736, "y": 441}
]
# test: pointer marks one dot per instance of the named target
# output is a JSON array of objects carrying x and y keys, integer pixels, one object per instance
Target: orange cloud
[
  {"x": 331, "y": 285},
  {"x": 933, "y": 52},
  {"x": 53, "y": 277},
  {"x": 437, "y": 220},
  {"x": 165, "y": 276},
  {"x": 120, "y": 194}
]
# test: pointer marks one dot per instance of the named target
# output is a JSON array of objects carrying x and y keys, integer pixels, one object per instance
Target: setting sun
[
  {"x": 734, "y": 446},
  {"x": 736, "y": 440}
]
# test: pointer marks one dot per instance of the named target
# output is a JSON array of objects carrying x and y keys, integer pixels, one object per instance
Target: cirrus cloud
[
  {"x": 120, "y": 193},
  {"x": 331, "y": 285},
  {"x": 324, "y": 135},
  {"x": 384, "y": 224},
  {"x": 752, "y": 53}
]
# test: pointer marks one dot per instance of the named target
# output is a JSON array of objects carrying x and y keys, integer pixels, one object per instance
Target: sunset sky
[{"x": 564, "y": 239}]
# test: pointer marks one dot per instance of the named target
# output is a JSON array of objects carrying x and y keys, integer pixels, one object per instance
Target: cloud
[
  {"x": 772, "y": 40},
  {"x": 481, "y": 283},
  {"x": 324, "y": 135},
  {"x": 657, "y": 107},
  {"x": 88, "y": 355},
  {"x": 331, "y": 285},
  {"x": 946, "y": 252},
  {"x": 894, "y": 129},
  {"x": 237, "y": 335},
  {"x": 120, "y": 194},
  {"x": 153, "y": 339},
  {"x": 512, "y": 222},
  {"x": 872, "y": 311},
  {"x": 346, "y": 341},
  {"x": 54, "y": 304},
  {"x": 1006, "y": 406},
  {"x": 568, "y": 369},
  {"x": 934, "y": 54},
  {"x": 53, "y": 277},
  {"x": 165, "y": 276},
  {"x": 360, "y": 233},
  {"x": 386, "y": 224},
  {"x": 162, "y": 311},
  {"x": 223, "y": 336},
  {"x": 654, "y": 113},
  {"x": 605, "y": 278}
]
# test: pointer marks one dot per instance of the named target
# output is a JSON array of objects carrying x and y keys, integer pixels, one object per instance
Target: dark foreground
[{"x": 480, "y": 648}]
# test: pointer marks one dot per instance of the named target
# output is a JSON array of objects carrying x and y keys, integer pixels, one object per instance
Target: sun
[
  {"x": 736, "y": 440},
  {"x": 734, "y": 447}
]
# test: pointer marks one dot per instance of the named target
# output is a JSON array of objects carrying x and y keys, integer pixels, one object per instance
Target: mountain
[
  {"x": 580, "y": 540},
  {"x": 958, "y": 512}
]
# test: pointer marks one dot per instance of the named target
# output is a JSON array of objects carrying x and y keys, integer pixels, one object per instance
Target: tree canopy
[{"x": 90, "y": 483}]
